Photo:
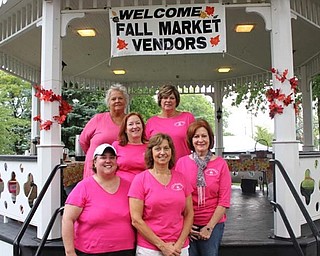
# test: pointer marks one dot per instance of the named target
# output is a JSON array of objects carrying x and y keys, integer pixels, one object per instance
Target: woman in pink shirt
[
  {"x": 104, "y": 127},
  {"x": 96, "y": 218},
  {"x": 131, "y": 146},
  {"x": 171, "y": 121},
  {"x": 211, "y": 181},
  {"x": 160, "y": 203}
]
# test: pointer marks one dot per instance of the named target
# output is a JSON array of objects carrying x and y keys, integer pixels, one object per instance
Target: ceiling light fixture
[
  {"x": 86, "y": 32},
  {"x": 224, "y": 70},
  {"x": 119, "y": 71},
  {"x": 244, "y": 28}
]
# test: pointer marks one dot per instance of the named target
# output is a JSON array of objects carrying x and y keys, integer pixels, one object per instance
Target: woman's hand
[
  {"x": 205, "y": 233},
  {"x": 194, "y": 234},
  {"x": 71, "y": 254},
  {"x": 170, "y": 249}
]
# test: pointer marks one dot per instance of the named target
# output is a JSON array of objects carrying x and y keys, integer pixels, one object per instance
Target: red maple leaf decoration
[
  {"x": 294, "y": 84},
  {"x": 215, "y": 40},
  {"x": 37, "y": 118},
  {"x": 122, "y": 44},
  {"x": 275, "y": 109},
  {"x": 46, "y": 125},
  {"x": 209, "y": 10},
  {"x": 287, "y": 100},
  {"x": 60, "y": 119},
  {"x": 64, "y": 107},
  {"x": 276, "y": 95}
]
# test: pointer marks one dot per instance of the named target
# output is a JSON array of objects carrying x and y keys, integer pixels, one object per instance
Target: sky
[{"x": 240, "y": 122}]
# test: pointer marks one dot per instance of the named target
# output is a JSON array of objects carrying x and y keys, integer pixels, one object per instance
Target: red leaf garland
[
  {"x": 64, "y": 107},
  {"x": 276, "y": 98}
]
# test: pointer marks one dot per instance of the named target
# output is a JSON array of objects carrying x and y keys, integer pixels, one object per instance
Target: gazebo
[{"x": 39, "y": 43}]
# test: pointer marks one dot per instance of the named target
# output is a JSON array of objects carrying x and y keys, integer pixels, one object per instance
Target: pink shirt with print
[
  {"x": 218, "y": 189},
  {"x": 163, "y": 205},
  {"x": 176, "y": 127}
]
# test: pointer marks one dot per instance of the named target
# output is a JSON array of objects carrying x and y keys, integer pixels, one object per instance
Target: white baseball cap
[{"x": 102, "y": 148}]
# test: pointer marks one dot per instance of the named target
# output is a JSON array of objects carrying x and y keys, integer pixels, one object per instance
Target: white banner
[{"x": 161, "y": 30}]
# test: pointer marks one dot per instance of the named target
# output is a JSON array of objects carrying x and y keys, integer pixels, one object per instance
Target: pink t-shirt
[
  {"x": 218, "y": 189},
  {"x": 130, "y": 159},
  {"x": 163, "y": 205},
  {"x": 176, "y": 127},
  {"x": 100, "y": 129},
  {"x": 104, "y": 224}
]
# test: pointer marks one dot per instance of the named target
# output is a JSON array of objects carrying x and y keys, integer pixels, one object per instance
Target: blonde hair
[{"x": 117, "y": 87}]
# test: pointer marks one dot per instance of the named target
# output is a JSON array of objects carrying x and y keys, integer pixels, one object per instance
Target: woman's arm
[
  {"x": 206, "y": 231},
  {"x": 136, "y": 211},
  {"x": 87, "y": 133},
  {"x": 187, "y": 224},
  {"x": 223, "y": 202},
  {"x": 70, "y": 215}
]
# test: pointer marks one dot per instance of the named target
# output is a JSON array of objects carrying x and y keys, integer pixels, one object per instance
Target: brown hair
[
  {"x": 193, "y": 127},
  {"x": 156, "y": 140},
  {"x": 123, "y": 137},
  {"x": 165, "y": 91}
]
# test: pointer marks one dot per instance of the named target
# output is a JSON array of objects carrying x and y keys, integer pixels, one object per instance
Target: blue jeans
[{"x": 208, "y": 247}]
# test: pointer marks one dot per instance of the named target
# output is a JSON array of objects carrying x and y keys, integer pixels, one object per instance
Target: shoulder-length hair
[
  {"x": 123, "y": 136},
  {"x": 165, "y": 91},
  {"x": 156, "y": 140},
  {"x": 193, "y": 127}
]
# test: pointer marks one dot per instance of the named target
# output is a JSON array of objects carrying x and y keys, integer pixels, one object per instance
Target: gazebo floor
[{"x": 248, "y": 231}]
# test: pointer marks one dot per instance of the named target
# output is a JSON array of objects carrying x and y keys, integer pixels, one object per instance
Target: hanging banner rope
[{"x": 161, "y": 30}]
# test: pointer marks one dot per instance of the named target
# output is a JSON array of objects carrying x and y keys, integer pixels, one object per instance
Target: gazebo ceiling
[{"x": 247, "y": 53}]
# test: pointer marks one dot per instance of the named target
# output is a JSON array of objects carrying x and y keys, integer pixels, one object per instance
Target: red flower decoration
[
  {"x": 275, "y": 97},
  {"x": 48, "y": 96}
]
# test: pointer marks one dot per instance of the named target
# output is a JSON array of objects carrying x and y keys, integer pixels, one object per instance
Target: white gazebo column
[
  {"x": 50, "y": 148},
  {"x": 34, "y": 125},
  {"x": 306, "y": 89},
  {"x": 285, "y": 144},
  {"x": 218, "y": 121}
]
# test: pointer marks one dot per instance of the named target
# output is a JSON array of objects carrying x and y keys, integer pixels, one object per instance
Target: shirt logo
[
  {"x": 180, "y": 123},
  {"x": 177, "y": 186},
  {"x": 211, "y": 172}
]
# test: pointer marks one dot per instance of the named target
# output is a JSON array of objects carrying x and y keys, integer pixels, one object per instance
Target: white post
[
  {"x": 306, "y": 89},
  {"x": 285, "y": 144},
  {"x": 218, "y": 122},
  {"x": 35, "y": 133},
  {"x": 50, "y": 148}
]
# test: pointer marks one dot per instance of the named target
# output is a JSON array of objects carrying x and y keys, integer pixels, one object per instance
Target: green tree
[
  {"x": 263, "y": 136},
  {"x": 316, "y": 98},
  {"x": 145, "y": 105},
  {"x": 85, "y": 105},
  {"x": 5, "y": 133},
  {"x": 15, "y": 103},
  {"x": 199, "y": 106}
]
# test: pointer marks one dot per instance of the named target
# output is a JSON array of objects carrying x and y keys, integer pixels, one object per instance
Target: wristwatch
[{"x": 209, "y": 229}]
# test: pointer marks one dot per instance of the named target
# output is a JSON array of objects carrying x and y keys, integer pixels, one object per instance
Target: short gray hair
[{"x": 117, "y": 87}]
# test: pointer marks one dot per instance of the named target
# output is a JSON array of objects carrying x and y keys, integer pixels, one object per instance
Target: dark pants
[{"x": 118, "y": 253}]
